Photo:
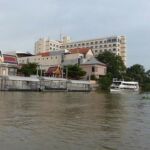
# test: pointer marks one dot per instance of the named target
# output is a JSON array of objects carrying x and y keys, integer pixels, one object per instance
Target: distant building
[
  {"x": 114, "y": 44},
  {"x": 54, "y": 71},
  {"x": 8, "y": 64},
  {"x": 93, "y": 67},
  {"x": 45, "y": 59},
  {"x": 45, "y": 45},
  {"x": 77, "y": 56}
]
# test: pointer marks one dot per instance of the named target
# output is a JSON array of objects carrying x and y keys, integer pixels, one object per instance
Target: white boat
[{"x": 118, "y": 86}]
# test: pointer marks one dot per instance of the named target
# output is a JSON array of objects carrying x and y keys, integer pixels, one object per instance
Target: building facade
[
  {"x": 44, "y": 60},
  {"x": 8, "y": 64},
  {"x": 44, "y": 45},
  {"x": 114, "y": 44},
  {"x": 93, "y": 67}
]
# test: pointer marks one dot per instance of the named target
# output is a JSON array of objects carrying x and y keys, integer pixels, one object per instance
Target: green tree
[
  {"x": 28, "y": 69},
  {"x": 115, "y": 68},
  {"x": 105, "y": 82},
  {"x": 75, "y": 72},
  {"x": 115, "y": 65},
  {"x": 136, "y": 72}
]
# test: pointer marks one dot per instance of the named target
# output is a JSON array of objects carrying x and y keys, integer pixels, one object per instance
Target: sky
[{"x": 22, "y": 22}]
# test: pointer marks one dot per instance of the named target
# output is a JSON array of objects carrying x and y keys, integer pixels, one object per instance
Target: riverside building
[
  {"x": 115, "y": 44},
  {"x": 45, "y": 45}
]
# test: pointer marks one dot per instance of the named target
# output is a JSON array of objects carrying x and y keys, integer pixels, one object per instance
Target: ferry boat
[{"x": 118, "y": 86}]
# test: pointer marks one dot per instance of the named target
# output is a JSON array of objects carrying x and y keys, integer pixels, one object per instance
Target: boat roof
[{"x": 128, "y": 82}]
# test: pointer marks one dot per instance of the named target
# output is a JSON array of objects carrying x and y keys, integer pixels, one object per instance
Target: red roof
[
  {"x": 51, "y": 70},
  {"x": 79, "y": 50},
  {"x": 44, "y": 54},
  {"x": 10, "y": 59}
]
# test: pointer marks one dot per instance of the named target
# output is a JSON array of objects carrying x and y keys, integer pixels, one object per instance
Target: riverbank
[{"x": 19, "y": 83}]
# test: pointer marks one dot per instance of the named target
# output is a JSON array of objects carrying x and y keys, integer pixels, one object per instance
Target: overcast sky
[{"x": 22, "y": 22}]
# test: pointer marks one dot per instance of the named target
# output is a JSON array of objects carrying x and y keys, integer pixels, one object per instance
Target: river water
[{"x": 74, "y": 121}]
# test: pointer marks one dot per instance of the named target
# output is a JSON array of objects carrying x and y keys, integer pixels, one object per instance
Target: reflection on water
[{"x": 66, "y": 121}]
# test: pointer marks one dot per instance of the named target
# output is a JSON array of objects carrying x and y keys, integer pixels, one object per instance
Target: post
[
  {"x": 62, "y": 72},
  {"x": 66, "y": 72},
  {"x": 37, "y": 71}
]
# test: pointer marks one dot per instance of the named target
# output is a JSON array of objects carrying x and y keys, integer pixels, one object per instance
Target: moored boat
[{"x": 118, "y": 86}]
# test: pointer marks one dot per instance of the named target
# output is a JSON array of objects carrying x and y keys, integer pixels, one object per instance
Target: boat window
[{"x": 117, "y": 83}]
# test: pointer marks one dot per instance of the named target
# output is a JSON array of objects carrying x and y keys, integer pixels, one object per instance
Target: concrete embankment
[{"x": 19, "y": 83}]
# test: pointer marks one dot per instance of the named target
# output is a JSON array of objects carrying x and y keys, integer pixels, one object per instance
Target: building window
[
  {"x": 96, "y": 46},
  {"x": 114, "y": 44},
  {"x": 96, "y": 42},
  {"x": 95, "y": 51},
  {"x": 93, "y": 68},
  {"x": 105, "y": 41},
  {"x": 91, "y": 43},
  {"x": 101, "y": 42},
  {"x": 78, "y": 44},
  {"x": 83, "y": 44},
  {"x": 87, "y": 43},
  {"x": 109, "y": 40},
  {"x": 114, "y": 49},
  {"x": 105, "y": 45},
  {"x": 114, "y": 40},
  {"x": 100, "y": 46}
]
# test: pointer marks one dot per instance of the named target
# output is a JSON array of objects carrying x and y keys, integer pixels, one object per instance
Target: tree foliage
[
  {"x": 75, "y": 72},
  {"x": 105, "y": 82},
  {"x": 115, "y": 65},
  {"x": 136, "y": 72},
  {"x": 115, "y": 68},
  {"x": 28, "y": 69}
]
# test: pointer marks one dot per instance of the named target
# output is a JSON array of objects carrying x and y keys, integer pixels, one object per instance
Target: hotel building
[
  {"x": 115, "y": 44},
  {"x": 45, "y": 45}
]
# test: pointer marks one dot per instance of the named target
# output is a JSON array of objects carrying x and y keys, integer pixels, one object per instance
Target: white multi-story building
[
  {"x": 44, "y": 60},
  {"x": 115, "y": 44},
  {"x": 44, "y": 45}
]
